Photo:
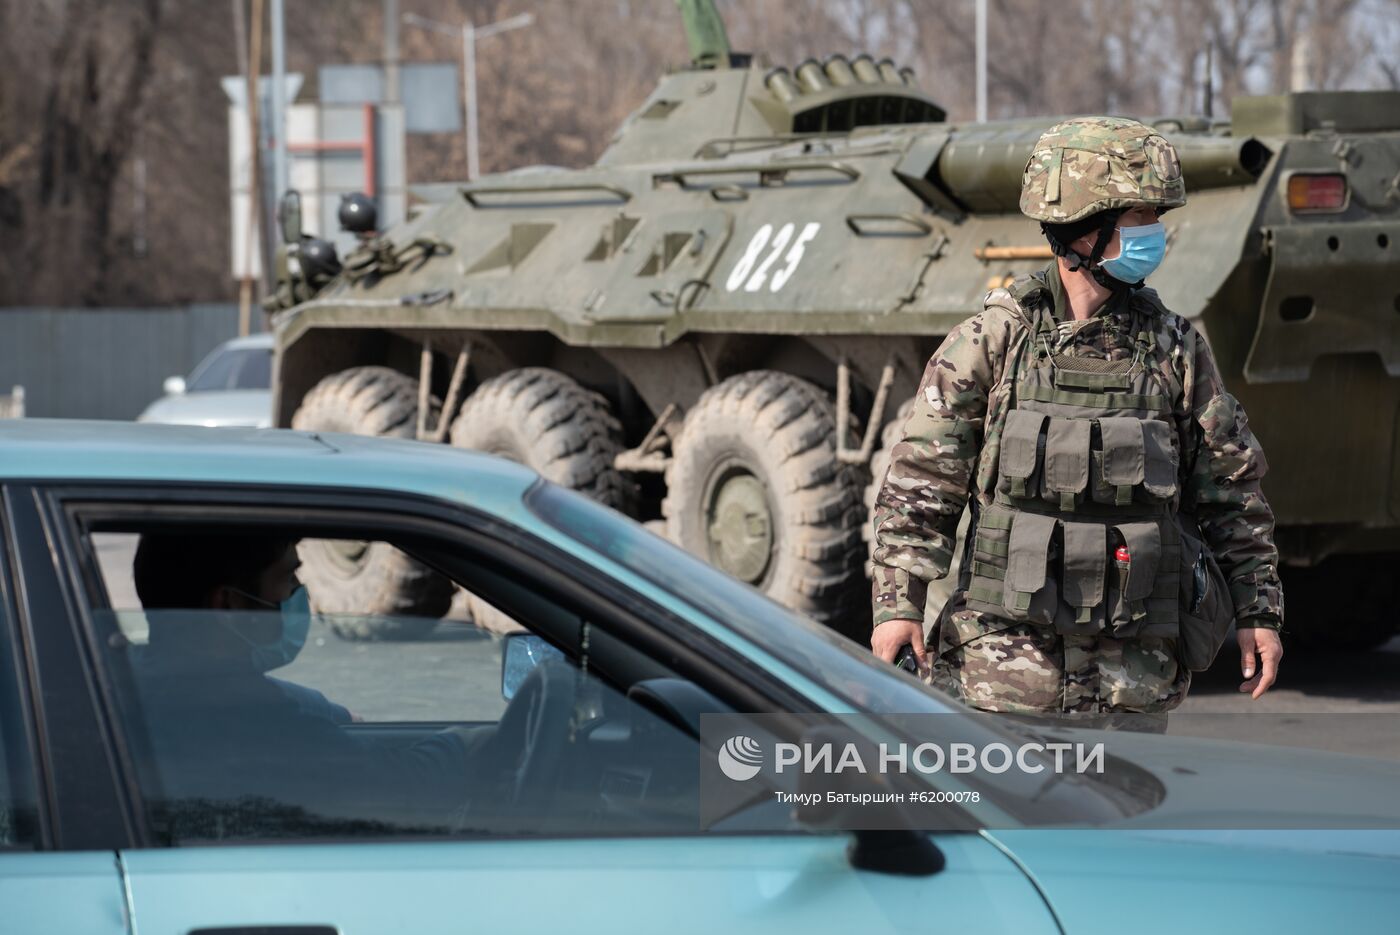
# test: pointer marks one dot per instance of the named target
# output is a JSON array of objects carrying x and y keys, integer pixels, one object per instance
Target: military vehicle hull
[{"x": 743, "y": 291}]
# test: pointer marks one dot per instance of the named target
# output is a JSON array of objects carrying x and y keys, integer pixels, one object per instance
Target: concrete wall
[{"x": 105, "y": 363}]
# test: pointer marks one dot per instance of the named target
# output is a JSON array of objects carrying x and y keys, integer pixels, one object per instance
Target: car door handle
[{"x": 267, "y": 930}]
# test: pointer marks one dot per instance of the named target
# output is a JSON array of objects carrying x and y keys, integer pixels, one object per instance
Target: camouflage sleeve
[
  {"x": 923, "y": 494},
  {"x": 1223, "y": 486}
]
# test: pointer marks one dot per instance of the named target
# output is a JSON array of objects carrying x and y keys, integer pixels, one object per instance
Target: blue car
[{"x": 189, "y": 747}]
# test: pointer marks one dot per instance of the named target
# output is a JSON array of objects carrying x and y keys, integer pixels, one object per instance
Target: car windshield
[
  {"x": 828, "y": 658},
  {"x": 846, "y": 670},
  {"x": 246, "y": 368}
]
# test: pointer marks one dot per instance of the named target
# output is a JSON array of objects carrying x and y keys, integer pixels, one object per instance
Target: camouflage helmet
[{"x": 1090, "y": 164}]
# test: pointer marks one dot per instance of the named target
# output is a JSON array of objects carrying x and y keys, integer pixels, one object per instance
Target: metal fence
[{"x": 104, "y": 363}]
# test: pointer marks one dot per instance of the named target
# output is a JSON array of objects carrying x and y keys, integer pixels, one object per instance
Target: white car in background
[{"x": 230, "y": 387}]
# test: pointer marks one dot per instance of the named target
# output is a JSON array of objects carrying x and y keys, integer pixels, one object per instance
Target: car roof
[
  {"x": 264, "y": 339},
  {"x": 64, "y": 449}
]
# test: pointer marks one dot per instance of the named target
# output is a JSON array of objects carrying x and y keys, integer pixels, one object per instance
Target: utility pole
[
  {"x": 391, "y": 51},
  {"x": 253, "y": 70},
  {"x": 469, "y": 97},
  {"x": 1208, "y": 92},
  {"x": 1300, "y": 67},
  {"x": 981, "y": 61},
  {"x": 279, "y": 101},
  {"x": 470, "y": 34}
]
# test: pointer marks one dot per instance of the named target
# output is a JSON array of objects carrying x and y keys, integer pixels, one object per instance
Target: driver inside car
[
  {"x": 223, "y": 610},
  {"x": 267, "y": 570}
]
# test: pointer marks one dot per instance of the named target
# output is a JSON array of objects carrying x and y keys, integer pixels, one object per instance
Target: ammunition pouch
[
  {"x": 1117, "y": 462},
  {"x": 1054, "y": 572}
]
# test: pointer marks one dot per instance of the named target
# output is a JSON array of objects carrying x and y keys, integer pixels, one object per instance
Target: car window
[
  {"x": 341, "y": 649},
  {"x": 828, "y": 658},
  {"x": 214, "y": 372},
  {"x": 308, "y": 720},
  {"x": 254, "y": 370},
  {"x": 18, "y": 802},
  {"x": 248, "y": 368}
]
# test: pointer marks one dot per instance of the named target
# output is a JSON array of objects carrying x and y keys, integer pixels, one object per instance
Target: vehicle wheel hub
[
  {"x": 740, "y": 526},
  {"x": 348, "y": 556}
]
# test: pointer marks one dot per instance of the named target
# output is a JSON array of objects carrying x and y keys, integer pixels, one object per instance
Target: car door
[
  {"x": 58, "y": 811},
  {"x": 569, "y": 806}
]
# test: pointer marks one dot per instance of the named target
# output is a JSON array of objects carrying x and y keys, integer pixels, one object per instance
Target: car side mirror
[
  {"x": 289, "y": 216},
  {"x": 174, "y": 386},
  {"x": 522, "y": 654}
]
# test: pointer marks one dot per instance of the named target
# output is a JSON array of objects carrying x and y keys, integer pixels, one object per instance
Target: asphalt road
[
  {"x": 1338, "y": 702},
  {"x": 1310, "y": 683},
  {"x": 1341, "y": 701}
]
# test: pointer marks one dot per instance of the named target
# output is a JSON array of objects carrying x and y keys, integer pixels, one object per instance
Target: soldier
[{"x": 1117, "y": 522}]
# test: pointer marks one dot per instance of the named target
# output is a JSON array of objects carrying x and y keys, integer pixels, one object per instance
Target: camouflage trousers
[{"x": 997, "y": 665}]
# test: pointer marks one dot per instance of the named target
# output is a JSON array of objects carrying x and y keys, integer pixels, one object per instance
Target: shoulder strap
[
  {"x": 1150, "y": 296},
  {"x": 1149, "y": 305},
  {"x": 1003, "y": 299},
  {"x": 1015, "y": 301},
  {"x": 1021, "y": 299}
]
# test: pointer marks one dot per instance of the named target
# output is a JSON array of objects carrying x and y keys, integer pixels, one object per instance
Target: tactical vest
[{"x": 1083, "y": 533}]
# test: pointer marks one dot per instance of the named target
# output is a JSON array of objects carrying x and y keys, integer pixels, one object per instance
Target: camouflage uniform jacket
[{"x": 950, "y": 445}]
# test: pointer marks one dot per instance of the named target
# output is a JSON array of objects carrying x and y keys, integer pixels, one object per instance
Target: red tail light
[{"x": 1309, "y": 192}]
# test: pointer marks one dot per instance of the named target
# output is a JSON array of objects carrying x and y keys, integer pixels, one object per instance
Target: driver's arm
[{"x": 310, "y": 701}]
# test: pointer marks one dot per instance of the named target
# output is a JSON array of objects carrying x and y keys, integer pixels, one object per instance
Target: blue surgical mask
[
  {"x": 1140, "y": 251},
  {"x": 296, "y": 622}
]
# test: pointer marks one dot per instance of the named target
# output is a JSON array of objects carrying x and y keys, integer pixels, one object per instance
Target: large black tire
[
  {"x": 545, "y": 420},
  {"x": 938, "y": 591},
  {"x": 392, "y": 596},
  {"x": 754, "y": 487}
]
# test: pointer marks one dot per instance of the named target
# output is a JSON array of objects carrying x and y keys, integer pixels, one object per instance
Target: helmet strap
[
  {"x": 1110, "y": 221},
  {"x": 1078, "y": 261}
]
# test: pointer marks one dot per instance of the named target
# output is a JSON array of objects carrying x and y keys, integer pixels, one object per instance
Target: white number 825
[{"x": 744, "y": 274}]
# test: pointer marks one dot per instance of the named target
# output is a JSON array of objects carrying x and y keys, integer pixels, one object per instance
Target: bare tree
[
  {"x": 91, "y": 86},
  {"x": 78, "y": 128}
]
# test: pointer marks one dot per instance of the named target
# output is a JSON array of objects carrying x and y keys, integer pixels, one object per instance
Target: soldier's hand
[
  {"x": 892, "y": 635},
  {"x": 1264, "y": 642}
]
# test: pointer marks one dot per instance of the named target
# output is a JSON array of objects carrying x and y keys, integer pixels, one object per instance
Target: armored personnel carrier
[{"x": 716, "y": 327}]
